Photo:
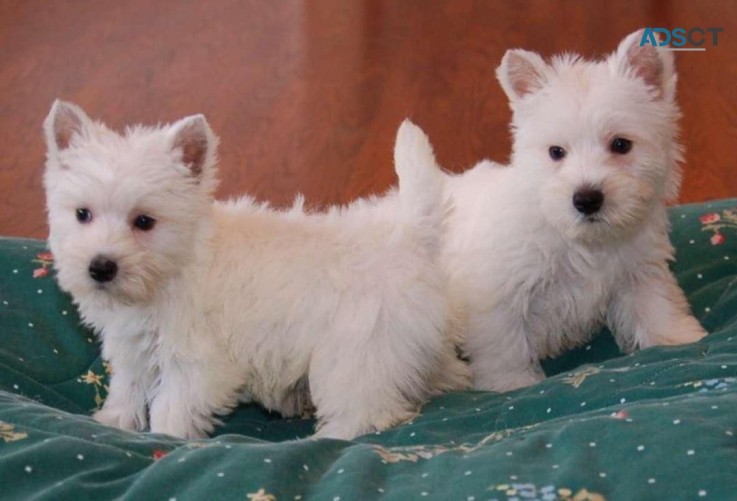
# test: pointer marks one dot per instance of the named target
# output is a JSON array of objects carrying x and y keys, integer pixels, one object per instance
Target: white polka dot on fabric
[
  {"x": 267, "y": 460},
  {"x": 380, "y": 490},
  {"x": 172, "y": 499},
  {"x": 690, "y": 452},
  {"x": 555, "y": 466},
  {"x": 692, "y": 242},
  {"x": 650, "y": 480},
  {"x": 424, "y": 493},
  {"x": 726, "y": 258},
  {"x": 511, "y": 407},
  {"x": 336, "y": 498},
  {"x": 676, "y": 421},
  {"x": 622, "y": 400},
  {"x": 340, "y": 471},
  {"x": 15, "y": 386},
  {"x": 425, "y": 475},
  {"x": 305, "y": 467},
  {"x": 80, "y": 457},
  {"x": 221, "y": 474},
  {"x": 602, "y": 474},
  {"x": 15, "y": 271},
  {"x": 39, "y": 291},
  {"x": 510, "y": 453},
  {"x": 707, "y": 309},
  {"x": 548, "y": 446},
  {"x": 29, "y": 469},
  {"x": 467, "y": 473},
  {"x": 30, "y": 324},
  {"x": 583, "y": 404},
  {"x": 699, "y": 276},
  {"x": 592, "y": 444},
  {"x": 702, "y": 493},
  {"x": 549, "y": 409},
  {"x": 412, "y": 434},
  {"x": 683, "y": 216},
  {"x": 640, "y": 448}
]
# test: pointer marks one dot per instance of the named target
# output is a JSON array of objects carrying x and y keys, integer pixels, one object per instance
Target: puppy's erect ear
[
  {"x": 64, "y": 121},
  {"x": 637, "y": 56},
  {"x": 196, "y": 141},
  {"x": 521, "y": 73}
]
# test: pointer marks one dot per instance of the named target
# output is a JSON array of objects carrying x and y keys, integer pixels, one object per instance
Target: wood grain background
[{"x": 307, "y": 96}]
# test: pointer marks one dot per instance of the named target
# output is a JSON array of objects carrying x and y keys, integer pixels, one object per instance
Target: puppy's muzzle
[
  {"x": 588, "y": 200},
  {"x": 102, "y": 269}
]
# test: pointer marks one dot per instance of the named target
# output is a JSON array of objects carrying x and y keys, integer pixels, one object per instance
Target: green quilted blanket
[{"x": 659, "y": 424}]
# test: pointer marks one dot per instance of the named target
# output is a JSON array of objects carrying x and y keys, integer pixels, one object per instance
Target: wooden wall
[{"x": 306, "y": 96}]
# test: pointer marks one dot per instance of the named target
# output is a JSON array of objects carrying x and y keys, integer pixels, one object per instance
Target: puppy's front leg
[
  {"x": 189, "y": 396},
  {"x": 125, "y": 405},
  {"x": 651, "y": 309},
  {"x": 499, "y": 349}
]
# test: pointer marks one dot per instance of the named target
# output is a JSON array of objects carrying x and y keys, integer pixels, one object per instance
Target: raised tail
[{"x": 421, "y": 199}]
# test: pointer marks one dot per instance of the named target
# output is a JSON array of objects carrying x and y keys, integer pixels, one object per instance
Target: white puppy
[
  {"x": 199, "y": 303},
  {"x": 574, "y": 233}
]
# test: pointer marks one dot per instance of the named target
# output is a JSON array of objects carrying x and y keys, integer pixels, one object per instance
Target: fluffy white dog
[
  {"x": 200, "y": 303},
  {"x": 574, "y": 233}
]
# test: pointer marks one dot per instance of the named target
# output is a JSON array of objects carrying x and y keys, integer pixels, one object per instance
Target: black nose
[
  {"x": 588, "y": 200},
  {"x": 102, "y": 269}
]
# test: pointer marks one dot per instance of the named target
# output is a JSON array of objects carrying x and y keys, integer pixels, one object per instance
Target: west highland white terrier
[
  {"x": 200, "y": 304},
  {"x": 574, "y": 233}
]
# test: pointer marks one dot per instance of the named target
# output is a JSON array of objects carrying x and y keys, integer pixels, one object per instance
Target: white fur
[
  {"x": 229, "y": 301},
  {"x": 534, "y": 277}
]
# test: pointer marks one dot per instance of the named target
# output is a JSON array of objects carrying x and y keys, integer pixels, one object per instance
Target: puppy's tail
[{"x": 421, "y": 198}]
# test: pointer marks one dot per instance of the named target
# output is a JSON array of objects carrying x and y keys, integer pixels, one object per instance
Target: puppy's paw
[
  {"x": 508, "y": 381},
  {"x": 685, "y": 331},
  {"x": 119, "y": 417},
  {"x": 179, "y": 420}
]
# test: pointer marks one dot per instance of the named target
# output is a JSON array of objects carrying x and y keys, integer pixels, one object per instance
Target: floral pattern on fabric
[
  {"x": 717, "y": 222},
  {"x": 8, "y": 433}
]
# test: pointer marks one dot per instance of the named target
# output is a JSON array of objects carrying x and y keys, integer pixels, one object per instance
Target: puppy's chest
[{"x": 567, "y": 303}]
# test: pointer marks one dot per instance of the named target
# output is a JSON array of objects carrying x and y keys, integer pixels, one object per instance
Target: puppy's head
[
  {"x": 124, "y": 209},
  {"x": 600, "y": 137}
]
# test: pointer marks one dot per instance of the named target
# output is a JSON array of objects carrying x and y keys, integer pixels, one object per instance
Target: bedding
[{"x": 657, "y": 424}]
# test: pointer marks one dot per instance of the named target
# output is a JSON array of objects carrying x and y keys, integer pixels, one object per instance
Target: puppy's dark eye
[
  {"x": 557, "y": 153},
  {"x": 620, "y": 146},
  {"x": 144, "y": 222},
  {"x": 84, "y": 215}
]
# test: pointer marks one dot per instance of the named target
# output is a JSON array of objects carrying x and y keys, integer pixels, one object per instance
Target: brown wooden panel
[{"x": 306, "y": 96}]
